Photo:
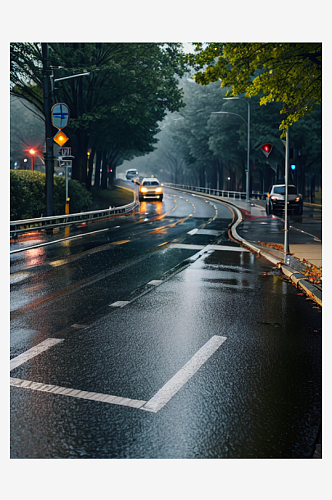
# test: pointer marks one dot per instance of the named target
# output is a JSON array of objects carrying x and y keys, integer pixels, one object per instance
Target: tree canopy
[
  {"x": 115, "y": 109},
  {"x": 289, "y": 73},
  {"x": 199, "y": 147}
]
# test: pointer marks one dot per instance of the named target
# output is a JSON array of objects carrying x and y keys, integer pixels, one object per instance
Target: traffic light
[
  {"x": 266, "y": 149},
  {"x": 293, "y": 166}
]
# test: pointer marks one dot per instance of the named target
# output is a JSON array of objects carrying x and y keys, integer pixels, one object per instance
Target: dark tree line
[
  {"x": 115, "y": 109},
  {"x": 201, "y": 148},
  {"x": 133, "y": 104}
]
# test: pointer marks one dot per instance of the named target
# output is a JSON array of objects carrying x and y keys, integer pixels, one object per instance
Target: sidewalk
[{"x": 291, "y": 264}]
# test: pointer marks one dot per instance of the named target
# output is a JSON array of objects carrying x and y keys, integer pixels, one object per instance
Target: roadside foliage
[{"x": 28, "y": 199}]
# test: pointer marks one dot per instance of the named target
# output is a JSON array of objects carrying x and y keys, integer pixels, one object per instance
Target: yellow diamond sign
[{"x": 60, "y": 138}]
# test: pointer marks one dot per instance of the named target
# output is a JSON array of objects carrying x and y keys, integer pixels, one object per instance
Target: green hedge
[{"x": 28, "y": 195}]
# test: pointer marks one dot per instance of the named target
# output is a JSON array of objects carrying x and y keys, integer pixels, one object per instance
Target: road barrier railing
[
  {"x": 26, "y": 225},
  {"x": 235, "y": 195}
]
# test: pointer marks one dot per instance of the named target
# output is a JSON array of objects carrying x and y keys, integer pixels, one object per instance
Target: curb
[{"x": 297, "y": 278}]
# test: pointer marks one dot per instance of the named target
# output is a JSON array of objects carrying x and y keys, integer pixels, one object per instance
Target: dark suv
[{"x": 275, "y": 200}]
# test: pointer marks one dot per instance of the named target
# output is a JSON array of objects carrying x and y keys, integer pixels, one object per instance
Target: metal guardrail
[
  {"x": 26, "y": 225},
  {"x": 235, "y": 195}
]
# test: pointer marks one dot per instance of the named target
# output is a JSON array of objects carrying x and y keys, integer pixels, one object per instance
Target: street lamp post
[
  {"x": 286, "y": 224},
  {"x": 248, "y": 138},
  {"x": 49, "y": 160}
]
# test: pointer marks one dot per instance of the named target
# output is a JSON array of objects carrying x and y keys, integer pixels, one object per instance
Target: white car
[
  {"x": 131, "y": 173},
  {"x": 275, "y": 200},
  {"x": 149, "y": 188}
]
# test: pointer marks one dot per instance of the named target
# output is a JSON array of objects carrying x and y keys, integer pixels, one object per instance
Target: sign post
[
  {"x": 67, "y": 159},
  {"x": 60, "y": 118}
]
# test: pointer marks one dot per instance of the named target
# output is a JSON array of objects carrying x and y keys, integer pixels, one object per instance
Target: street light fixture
[{"x": 248, "y": 138}]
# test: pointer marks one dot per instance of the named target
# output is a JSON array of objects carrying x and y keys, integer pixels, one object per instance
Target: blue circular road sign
[{"x": 60, "y": 115}]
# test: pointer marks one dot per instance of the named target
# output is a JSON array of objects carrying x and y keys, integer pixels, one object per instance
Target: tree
[
  {"x": 26, "y": 130},
  {"x": 197, "y": 147},
  {"x": 290, "y": 73},
  {"x": 116, "y": 108}
]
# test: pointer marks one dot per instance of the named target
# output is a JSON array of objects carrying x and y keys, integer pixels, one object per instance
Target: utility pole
[
  {"x": 286, "y": 225},
  {"x": 248, "y": 156},
  {"x": 49, "y": 160}
]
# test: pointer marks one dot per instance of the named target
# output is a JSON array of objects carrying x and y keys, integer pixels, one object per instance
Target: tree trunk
[
  {"x": 89, "y": 176},
  {"x": 98, "y": 167},
  {"x": 79, "y": 142},
  {"x": 104, "y": 172},
  {"x": 201, "y": 176}
]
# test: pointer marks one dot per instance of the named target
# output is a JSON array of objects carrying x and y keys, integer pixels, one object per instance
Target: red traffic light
[{"x": 266, "y": 148}]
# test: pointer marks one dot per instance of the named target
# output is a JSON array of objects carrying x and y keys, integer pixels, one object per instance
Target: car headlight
[
  {"x": 143, "y": 190},
  {"x": 297, "y": 198},
  {"x": 159, "y": 190}
]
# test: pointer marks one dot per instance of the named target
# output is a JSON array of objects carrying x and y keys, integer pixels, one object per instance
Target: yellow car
[{"x": 150, "y": 188}]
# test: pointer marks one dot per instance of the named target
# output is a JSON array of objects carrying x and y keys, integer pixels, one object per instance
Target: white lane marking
[
  {"x": 155, "y": 282},
  {"x": 193, "y": 231},
  {"x": 76, "y": 236},
  {"x": 184, "y": 245},
  {"x": 34, "y": 351},
  {"x": 65, "y": 391},
  {"x": 211, "y": 232},
  {"x": 19, "y": 276},
  {"x": 304, "y": 232},
  {"x": 183, "y": 375},
  {"x": 120, "y": 303},
  {"x": 226, "y": 248}
]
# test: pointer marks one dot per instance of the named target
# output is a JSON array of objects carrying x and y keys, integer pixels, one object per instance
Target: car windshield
[
  {"x": 281, "y": 190},
  {"x": 150, "y": 183}
]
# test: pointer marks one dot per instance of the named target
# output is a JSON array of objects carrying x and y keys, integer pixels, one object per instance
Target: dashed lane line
[
  {"x": 120, "y": 303},
  {"x": 186, "y": 246}
]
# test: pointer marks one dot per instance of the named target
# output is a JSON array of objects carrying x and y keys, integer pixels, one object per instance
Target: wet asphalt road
[{"x": 236, "y": 346}]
